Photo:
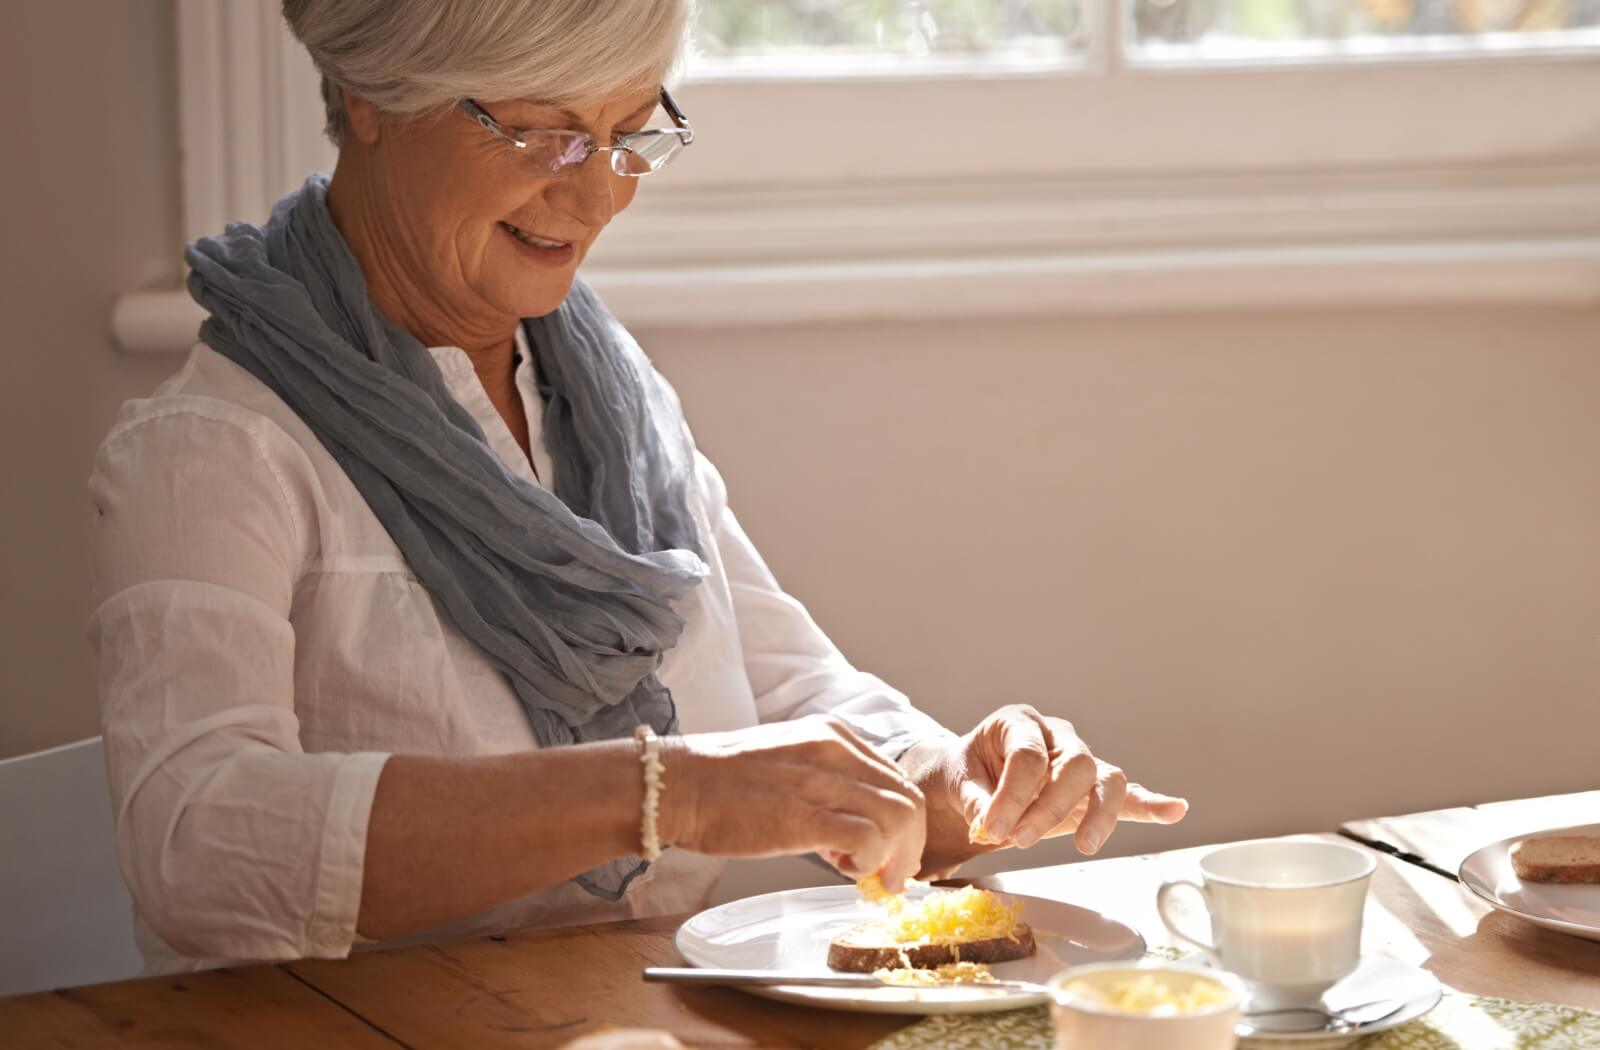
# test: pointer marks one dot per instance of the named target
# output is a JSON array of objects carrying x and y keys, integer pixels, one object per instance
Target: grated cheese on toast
[
  {"x": 967, "y": 914},
  {"x": 949, "y": 973}
]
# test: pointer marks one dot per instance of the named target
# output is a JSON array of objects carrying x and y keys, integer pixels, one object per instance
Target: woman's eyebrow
[
  {"x": 642, "y": 111},
  {"x": 575, "y": 121}
]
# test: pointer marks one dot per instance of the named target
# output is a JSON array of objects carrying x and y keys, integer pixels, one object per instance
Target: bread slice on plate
[
  {"x": 968, "y": 925},
  {"x": 863, "y": 949},
  {"x": 1562, "y": 858}
]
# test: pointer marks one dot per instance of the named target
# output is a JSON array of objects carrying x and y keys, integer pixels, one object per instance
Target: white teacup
[{"x": 1286, "y": 916}]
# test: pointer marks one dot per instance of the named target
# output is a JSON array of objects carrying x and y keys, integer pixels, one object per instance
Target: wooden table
[
  {"x": 1443, "y": 838},
  {"x": 541, "y": 988}
]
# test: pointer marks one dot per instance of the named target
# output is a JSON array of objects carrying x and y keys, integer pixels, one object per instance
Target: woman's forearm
[{"x": 449, "y": 837}]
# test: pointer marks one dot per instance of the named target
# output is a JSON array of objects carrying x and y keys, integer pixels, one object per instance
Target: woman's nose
[{"x": 588, "y": 193}]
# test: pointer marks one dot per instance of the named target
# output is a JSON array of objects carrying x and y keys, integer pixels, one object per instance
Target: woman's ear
[{"x": 362, "y": 117}]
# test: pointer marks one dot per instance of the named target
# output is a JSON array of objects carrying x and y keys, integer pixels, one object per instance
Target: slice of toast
[
  {"x": 867, "y": 947},
  {"x": 1564, "y": 858}
]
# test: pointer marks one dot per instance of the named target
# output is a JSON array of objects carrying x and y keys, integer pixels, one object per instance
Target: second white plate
[
  {"x": 1570, "y": 909},
  {"x": 790, "y": 931}
]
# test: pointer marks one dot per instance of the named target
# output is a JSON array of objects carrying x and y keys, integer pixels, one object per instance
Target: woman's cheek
[{"x": 623, "y": 195}]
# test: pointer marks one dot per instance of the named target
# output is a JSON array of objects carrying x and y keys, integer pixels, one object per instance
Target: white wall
[{"x": 1301, "y": 567}]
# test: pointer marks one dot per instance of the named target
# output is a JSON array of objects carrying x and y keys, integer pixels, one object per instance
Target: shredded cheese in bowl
[{"x": 1150, "y": 995}]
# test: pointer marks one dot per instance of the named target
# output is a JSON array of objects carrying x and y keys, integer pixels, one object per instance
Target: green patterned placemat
[{"x": 1459, "y": 1022}]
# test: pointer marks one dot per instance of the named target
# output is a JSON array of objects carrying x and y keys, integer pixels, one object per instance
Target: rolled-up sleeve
[
  {"x": 793, "y": 667},
  {"x": 235, "y": 843}
]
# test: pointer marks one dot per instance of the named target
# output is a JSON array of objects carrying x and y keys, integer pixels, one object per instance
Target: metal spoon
[{"x": 1336, "y": 1020}]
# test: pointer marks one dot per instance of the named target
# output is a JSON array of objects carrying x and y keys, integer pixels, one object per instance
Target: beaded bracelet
[{"x": 650, "y": 758}]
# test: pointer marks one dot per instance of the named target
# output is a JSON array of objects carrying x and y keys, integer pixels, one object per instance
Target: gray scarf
[{"x": 567, "y": 592}]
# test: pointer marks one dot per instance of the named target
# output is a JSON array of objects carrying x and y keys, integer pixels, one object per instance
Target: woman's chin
[
  {"x": 525, "y": 301},
  {"x": 530, "y": 290}
]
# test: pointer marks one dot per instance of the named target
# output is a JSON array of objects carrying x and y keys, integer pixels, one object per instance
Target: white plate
[
  {"x": 1412, "y": 990},
  {"x": 790, "y": 930},
  {"x": 1570, "y": 909}
]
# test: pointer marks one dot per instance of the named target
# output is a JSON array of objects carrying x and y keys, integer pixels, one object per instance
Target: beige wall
[
  {"x": 1300, "y": 566},
  {"x": 1303, "y": 567},
  {"x": 90, "y": 188}
]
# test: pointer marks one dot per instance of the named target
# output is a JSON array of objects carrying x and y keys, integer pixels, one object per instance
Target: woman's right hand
[{"x": 808, "y": 785}]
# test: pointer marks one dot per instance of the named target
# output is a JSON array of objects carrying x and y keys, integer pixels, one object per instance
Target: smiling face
[{"x": 438, "y": 210}]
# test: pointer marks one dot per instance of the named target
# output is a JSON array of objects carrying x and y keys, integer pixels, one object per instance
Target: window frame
[{"x": 1250, "y": 183}]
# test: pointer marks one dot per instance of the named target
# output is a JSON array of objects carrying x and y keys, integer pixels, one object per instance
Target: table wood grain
[
  {"x": 1446, "y": 837},
  {"x": 541, "y": 988},
  {"x": 251, "y": 1006}
]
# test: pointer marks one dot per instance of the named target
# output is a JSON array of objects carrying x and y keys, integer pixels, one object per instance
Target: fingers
[
  {"x": 897, "y": 806},
  {"x": 1081, "y": 794},
  {"x": 1151, "y": 807},
  {"x": 1024, "y": 770},
  {"x": 1074, "y": 777},
  {"x": 904, "y": 831},
  {"x": 851, "y": 843},
  {"x": 1139, "y": 805},
  {"x": 975, "y": 795},
  {"x": 1105, "y": 808},
  {"x": 895, "y": 852},
  {"x": 802, "y": 786},
  {"x": 843, "y": 751},
  {"x": 861, "y": 781}
]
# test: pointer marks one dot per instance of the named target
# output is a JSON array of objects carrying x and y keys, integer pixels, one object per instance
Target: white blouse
[{"x": 264, "y": 647}]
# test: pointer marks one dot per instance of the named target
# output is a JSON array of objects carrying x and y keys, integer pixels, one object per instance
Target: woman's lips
[{"x": 544, "y": 254}]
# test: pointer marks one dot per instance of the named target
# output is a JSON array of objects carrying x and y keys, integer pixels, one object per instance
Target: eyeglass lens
[
  {"x": 647, "y": 151},
  {"x": 557, "y": 153}
]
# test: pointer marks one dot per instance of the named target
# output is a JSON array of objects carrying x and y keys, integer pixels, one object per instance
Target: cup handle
[{"x": 1162, "y": 896}]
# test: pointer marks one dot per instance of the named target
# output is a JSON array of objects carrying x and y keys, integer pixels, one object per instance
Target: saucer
[{"x": 1408, "y": 990}]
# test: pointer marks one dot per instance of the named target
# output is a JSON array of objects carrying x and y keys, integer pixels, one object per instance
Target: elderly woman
[{"x": 417, "y": 611}]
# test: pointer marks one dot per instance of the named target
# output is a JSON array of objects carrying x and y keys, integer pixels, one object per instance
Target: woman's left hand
[{"x": 1020, "y": 777}]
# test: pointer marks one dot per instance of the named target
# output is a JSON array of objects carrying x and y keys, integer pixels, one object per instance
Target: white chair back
[{"x": 65, "y": 915}]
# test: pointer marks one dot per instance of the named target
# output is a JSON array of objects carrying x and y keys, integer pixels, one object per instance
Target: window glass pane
[
  {"x": 1290, "y": 29},
  {"x": 884, "y": 35}
]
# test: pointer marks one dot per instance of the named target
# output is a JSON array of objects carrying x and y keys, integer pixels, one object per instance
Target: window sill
[{"x": 1552, "y": 271}]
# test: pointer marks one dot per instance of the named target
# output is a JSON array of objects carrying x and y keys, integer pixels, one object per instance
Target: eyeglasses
[{"x": 550, "y": 154}]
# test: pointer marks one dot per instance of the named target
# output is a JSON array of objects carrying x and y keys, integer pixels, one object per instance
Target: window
[
  {"x": 744, "y": 37},
  {"x": 919, "y": 158},
  {"x": 976, "y": 130},
  {"x": 1300, "y": 30},
  {"x": 737, "y": 37}
]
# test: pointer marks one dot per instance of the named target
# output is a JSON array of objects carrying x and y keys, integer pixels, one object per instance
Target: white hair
[{"x": 410, "y": 57}]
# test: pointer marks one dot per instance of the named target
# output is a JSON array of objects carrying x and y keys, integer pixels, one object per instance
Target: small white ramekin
[{"x": 1084, "y": 1025}]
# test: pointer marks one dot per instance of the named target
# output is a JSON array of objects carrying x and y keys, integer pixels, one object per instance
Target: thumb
[{"x": 975, "y": 800}]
